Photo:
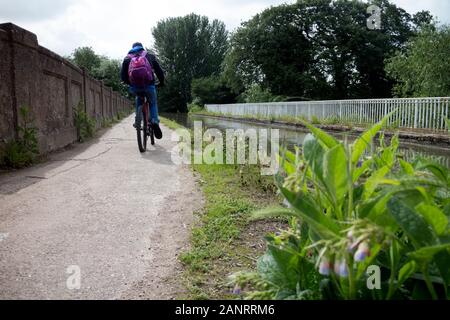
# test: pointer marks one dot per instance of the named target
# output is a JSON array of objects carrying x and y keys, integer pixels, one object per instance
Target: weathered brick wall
[{"x": 51, "y": 87}]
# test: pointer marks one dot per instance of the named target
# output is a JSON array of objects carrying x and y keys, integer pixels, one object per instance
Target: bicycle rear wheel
[{"x": 142, "y": 133}]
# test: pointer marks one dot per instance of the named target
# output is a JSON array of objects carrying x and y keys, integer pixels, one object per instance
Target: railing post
[{"x": 416, "y": 113}]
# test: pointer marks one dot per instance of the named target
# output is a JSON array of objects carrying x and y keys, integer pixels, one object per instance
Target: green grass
[
  {"x": 219, "y": 241},
  {"x": 170, "y": 123},
  {"x": 216, "y": 247}
]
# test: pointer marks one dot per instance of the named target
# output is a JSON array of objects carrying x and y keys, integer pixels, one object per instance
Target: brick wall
[{"x": 33, "y": 76}]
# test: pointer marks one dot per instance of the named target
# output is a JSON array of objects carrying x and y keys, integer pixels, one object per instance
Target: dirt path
[{"x": 120, "y": 216}]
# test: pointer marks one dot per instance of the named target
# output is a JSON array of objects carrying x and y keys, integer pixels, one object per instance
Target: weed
[
  {"x": 23, "y": 151},
  {"x": 85, "y": 125}
]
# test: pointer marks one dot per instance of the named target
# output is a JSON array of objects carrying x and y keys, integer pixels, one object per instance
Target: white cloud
[
  {"x": 110, "y": 27},
  {"x": 438, "y": 8},
  {"x": 32, "y": 10}
]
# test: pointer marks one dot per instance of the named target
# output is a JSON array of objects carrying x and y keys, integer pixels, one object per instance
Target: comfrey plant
[{"x": 353, "y": 206}]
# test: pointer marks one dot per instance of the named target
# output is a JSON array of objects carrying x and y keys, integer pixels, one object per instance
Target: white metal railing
[{"x": 412, "y": 113}]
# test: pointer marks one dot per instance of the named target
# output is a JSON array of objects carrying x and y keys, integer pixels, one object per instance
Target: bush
[
  {"x": 211, "y": 90},
  {"x": 23, "y": 151},
  {"x": 195, "y": 107},
  {"x": 85, "y": 125},
  {"x": 315, "y": 120},
  {"x": 349, "y": 211},
  {"x": 256, "y": 93},
  {"x": 423, "y": 70}
]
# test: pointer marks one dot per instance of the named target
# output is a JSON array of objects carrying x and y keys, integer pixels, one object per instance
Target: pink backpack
[{"x": 140, "y": 71}]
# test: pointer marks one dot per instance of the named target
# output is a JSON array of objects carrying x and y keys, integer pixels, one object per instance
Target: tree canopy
[
  {"x": 100, "y": 67},
  {"x": 424, "y": 68},
  {"x": 188, "y": 47},
  {"x": 319, "y": 49}
]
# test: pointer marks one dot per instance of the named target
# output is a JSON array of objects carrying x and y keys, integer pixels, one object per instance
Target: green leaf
[
  {"x": 313, "y": 153},
  {"x": 374, "y": 180},
  {"x": 321, "y": 135},
  {"x": 273, "y": 212},
  {"x": 375, "y": 210},
  {"x": 434, "y": 216},
  {"x": 335, "y": 173},
  {"x": 288, "y": 167},
  {"x": 411, "y": 223},
  {"x": 359, "y": 171},
  {"x": 426, "y": 254},
  {"x": 436, "y": 169},
  {"x": 290, "y": 156},
  {"x": 360, "y": 145},
  {"x": 278, "y": 267},
  {"x": 447, "y": 210},
  {"x": 406, "y": 271},
  {"x": 407, "y": 167},
  {"x": 442, "y": 260},
  {"x": 308, "y": 212},
  {"x": 388, "y": 155}
]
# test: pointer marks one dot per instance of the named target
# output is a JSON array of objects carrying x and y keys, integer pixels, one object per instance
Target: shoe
[
  {"x": 136, "y": 126},
  {"x": 157, "y": 131}
]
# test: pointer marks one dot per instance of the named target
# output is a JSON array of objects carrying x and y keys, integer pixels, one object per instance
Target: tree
[
  {"x": 85, "y": 57},
  {"x": 188, "y": 47},
  {"x": 319, "y": 49},
  {"x": 423, "y": 69},
  {"x": 100, "y": 67},
  {"x": 109, "y": 72},
  {"x": 212, "y": 90}
]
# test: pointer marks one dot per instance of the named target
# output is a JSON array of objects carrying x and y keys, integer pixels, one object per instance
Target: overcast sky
[{"x": 111, "y": 26}]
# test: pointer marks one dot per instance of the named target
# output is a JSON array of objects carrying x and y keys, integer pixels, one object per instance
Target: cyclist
[{"x": 138, "y": 69}]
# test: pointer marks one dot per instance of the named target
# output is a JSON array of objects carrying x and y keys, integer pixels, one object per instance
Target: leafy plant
[
  {"x": 85, "y": 125},
  {"x": 195, "y": 107},
  {"x": 351, "y": 208},
  {"x": 315, "y": 120},
  {"x": 23, "y": 151}
]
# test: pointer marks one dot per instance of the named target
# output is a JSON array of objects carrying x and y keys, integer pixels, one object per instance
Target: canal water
[{"x": 294, "y": 136}]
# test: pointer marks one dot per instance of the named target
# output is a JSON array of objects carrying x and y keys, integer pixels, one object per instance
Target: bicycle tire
[
  {"x": 141, "y": 138},
  {"x": 142, "y": 132}
]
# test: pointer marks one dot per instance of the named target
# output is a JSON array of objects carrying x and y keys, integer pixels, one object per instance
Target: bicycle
[{"x": 145, "y": 131}]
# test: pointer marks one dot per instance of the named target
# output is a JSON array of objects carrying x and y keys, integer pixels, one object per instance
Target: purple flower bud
[
  {"x": 363, "y": 252},
  {"x": 350, "y": 247},
  {"x": 324, "y": 267},
  {"x": 237, "y": 290},
  {"x": 340, "y": 268},
  {"x": 359, "y": 165}
]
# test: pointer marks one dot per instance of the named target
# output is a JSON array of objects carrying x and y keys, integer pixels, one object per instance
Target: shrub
[
  {"x": 212, "y": 90},
  {"x": 85, "y": 125},
  {"x": 23, "y": 151},
  {"x": 256, "y": 93},
  {"x": 315, "y": 120},
  {"x": 195, "y": 107},
  {"x": 350, "y": 211}
]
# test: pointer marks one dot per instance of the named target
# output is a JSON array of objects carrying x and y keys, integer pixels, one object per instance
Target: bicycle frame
[{"x": 146, "y": 130}]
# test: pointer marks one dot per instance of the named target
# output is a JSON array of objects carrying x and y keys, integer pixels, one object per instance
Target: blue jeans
[{"x": 150, "y": 93}]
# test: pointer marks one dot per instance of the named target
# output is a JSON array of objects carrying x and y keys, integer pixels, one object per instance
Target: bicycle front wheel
[{"x": 142, "y": 134}]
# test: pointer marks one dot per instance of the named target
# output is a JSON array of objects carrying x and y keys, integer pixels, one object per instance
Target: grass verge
[{"x": 224, "y": 241}]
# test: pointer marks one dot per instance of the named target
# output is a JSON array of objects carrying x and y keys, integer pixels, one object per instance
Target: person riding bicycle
[{"x": 138, "y": 69}]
